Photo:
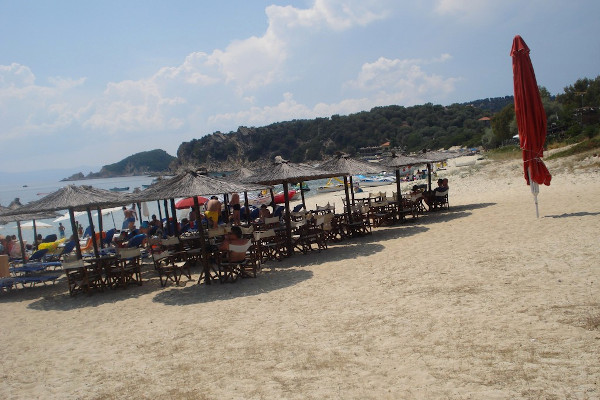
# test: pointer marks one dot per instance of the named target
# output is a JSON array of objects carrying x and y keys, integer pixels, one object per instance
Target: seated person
[
  {"x": 132, "y": 231},
  {"x": 185, "y": 226},
  {"x": 264, "y": 213},
  {"x": 234, "y": 237}
]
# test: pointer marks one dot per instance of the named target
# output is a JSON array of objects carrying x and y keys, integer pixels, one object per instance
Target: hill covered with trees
[
  {"x": 404, "y": 128},
  {"x": 146, "y": 162},
  {"x": 572, "y": 115}
]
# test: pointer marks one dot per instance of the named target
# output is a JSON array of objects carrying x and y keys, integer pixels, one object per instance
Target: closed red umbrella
[
  {"x": 531, "y": 118},
  {"x": 189, "y": 202}
]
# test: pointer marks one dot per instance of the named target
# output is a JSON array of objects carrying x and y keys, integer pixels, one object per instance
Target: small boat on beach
[
  {"x": 265, "y": 198},
  {"x": 119, "y": 189},
  {"x": 333, "y": 185},
  {"x": 376, "y": 180}
]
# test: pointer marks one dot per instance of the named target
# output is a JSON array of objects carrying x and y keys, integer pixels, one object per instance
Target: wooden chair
[
  {"x": 76, "y": 276},
  {"x": 169, "y": 262},
  {"x": 269, "y": 245},
  {"x": 229, "y": 271},
  {"x": 126, "y": 269},
  {"x": 439, "y": 200}
]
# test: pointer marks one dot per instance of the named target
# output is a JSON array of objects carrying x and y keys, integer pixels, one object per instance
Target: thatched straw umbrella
[
  {"x": 397, "y": 161},
  {"x": 433, "y": 157},
  {"x": 75, "y": 198},
  {"x": 282, "y": 172},
  {"x": 192, "y": 184},
  {"x": 344, "y": 165},
  {"x": 4, "y": 219}
]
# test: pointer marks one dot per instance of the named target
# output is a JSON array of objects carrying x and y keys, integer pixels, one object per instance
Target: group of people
[{"x": 10, "y": 246}]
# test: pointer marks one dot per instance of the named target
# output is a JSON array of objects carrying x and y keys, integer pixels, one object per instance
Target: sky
[{"x": 85, "y": 84}]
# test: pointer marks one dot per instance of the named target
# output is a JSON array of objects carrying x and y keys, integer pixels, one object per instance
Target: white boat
[{"x": 377, "y": 180}]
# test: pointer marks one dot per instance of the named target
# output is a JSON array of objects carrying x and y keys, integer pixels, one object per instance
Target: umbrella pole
[
  {"x": 351, "y": 188},
  {"x": 139, "y": 207},
  {"x": 23, "y": 254},
  {"x": 100, "y": 227},
  {"x": 159, "y": 211},
  {"x": 535, "y": 189},
  {"x": 226, "y": 205},
  {"x": 174, "y": 212},
  {"x": 288, "y": 223},
  {"x": 167, "y": 225},
  {"x": 94, "y": 243},
  {"x": 429, "y": 177},
  {"x": 302, "y": 195},
  {"x": 75, "y": 234},
  {"x": 273, "y": 200},
  {"x": 205, "y": 265},
  {"x": 348, "y": 205},
  {"x": 399, "y": 196},
  {"x": 34, "y": 234},
  {"x": 247, "y": 207}
]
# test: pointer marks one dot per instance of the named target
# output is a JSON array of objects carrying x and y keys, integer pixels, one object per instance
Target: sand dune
[{"x": 482, "y": 302}]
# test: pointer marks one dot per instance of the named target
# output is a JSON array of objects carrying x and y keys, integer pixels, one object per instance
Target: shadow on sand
[
  {"x": 577, "y": 214},
  {"x": 275, "y": 275}
]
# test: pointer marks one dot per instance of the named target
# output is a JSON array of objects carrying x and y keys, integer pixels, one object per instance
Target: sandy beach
[{"x": 483, "y": 301}]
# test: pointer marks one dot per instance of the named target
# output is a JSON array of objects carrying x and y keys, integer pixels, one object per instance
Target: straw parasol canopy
[
  {"x": 190, "y": 184},
  {"x": 15, "y": 205},
  {"x": 346, "y": 166},
  {"x": 75, "y": 198},
  {"x": 241, "y": 175},
  {"x": 283, "y": 172}
]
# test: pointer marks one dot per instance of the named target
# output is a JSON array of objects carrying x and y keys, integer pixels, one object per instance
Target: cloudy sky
[{"x": 84, "y": 84}]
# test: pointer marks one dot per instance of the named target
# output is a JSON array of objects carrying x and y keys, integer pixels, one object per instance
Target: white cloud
[
  {"x": 133, "y": 106},
  {"x": 402, "y": 81},
  {"x": 28, "y": 109}
]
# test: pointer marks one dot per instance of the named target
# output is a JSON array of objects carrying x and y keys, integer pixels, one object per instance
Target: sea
[{"x": 30, "y": 191}]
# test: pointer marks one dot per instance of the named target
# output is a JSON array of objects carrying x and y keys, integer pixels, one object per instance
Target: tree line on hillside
[
  {"x": 572, "y": 116},
  {"x": 405, "y": 128}
]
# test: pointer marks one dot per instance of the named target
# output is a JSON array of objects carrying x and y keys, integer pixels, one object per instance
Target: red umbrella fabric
[
  {"x": 189, "y": 202},
  {"x": 531, "y": 117}
]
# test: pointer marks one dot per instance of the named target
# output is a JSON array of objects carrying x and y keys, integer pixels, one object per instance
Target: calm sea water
[{"x": 30, "y": 191}]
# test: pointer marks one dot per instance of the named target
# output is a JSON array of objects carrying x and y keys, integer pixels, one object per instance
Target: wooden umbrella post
[
  {"x": 75, "y": 234},
  {"x": 94, "y": 243}
]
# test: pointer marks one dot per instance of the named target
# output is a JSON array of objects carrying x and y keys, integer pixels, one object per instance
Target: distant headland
[{"x": 144, "y": 163}]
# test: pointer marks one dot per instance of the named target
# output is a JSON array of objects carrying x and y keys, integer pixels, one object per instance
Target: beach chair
[
  {"x": 439, "y": 200},
  {"x": 67, "y": 249},
  {"x": 229, "y": 271},
  {"x": 38, "y": 256},
  {"x": 50, "y": 238}
]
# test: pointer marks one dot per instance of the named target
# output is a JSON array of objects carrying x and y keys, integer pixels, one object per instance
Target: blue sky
[{"x": 84, "y": 84}]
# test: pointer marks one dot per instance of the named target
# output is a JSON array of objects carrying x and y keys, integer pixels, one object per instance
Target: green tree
[{"x": 501, "y": 123}]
